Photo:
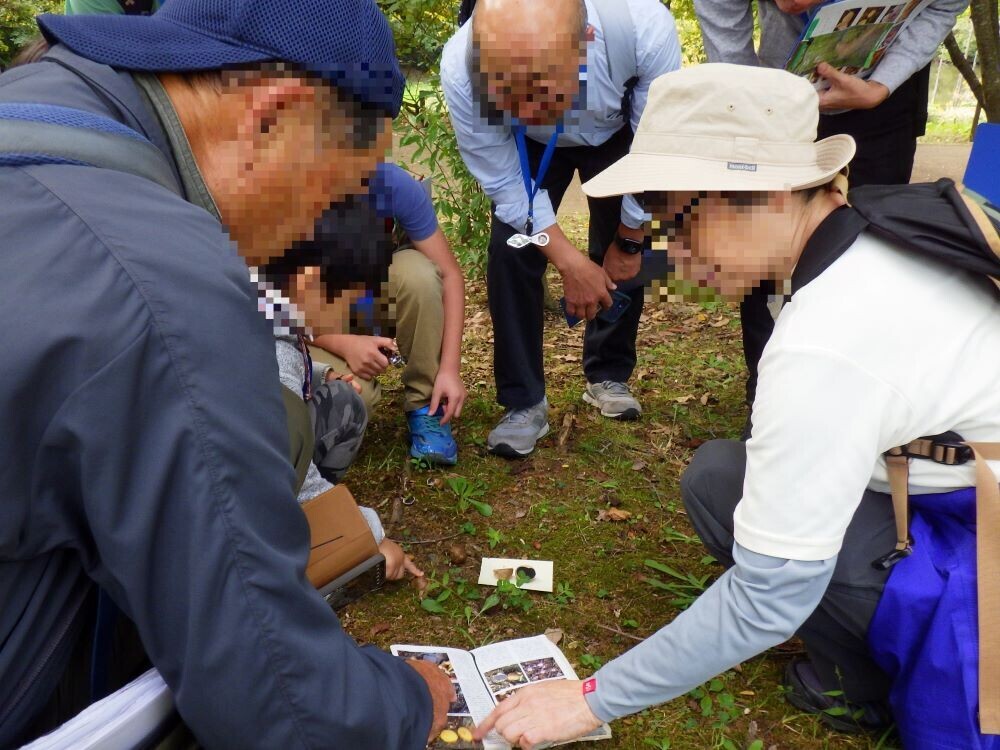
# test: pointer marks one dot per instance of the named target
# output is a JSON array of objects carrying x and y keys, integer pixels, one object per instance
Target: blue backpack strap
[{"x": 51, "y": 134}]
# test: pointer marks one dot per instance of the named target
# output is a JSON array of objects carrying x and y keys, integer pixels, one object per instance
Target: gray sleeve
[
  {"x": 374, "y": 523},
  {"x": 918, "y": 44},
  {"x": 727, "y": 30},
  {"x": 291, "y": 366},
  {"x": 757, "y": 604}
]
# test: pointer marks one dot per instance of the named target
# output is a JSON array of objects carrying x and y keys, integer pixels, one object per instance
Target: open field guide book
[
  {"x": 485, "y": 676},
  {"x": 851, "y": 35}
]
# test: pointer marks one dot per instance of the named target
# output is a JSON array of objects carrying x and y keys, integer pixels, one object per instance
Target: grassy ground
[{"x": 689, "y": 379}]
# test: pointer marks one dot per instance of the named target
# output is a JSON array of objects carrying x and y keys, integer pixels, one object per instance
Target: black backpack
[{"x": 933, "y": 219}]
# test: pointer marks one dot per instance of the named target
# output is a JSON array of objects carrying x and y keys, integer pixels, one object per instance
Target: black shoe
[{"x": 807, "y": 694}]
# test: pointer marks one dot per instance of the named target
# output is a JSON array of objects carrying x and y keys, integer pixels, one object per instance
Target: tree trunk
[
  {"x": 986, "y": 23},
  {"x": 962, "y": 64}
]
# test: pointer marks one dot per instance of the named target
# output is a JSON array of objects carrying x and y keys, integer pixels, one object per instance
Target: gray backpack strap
[
  {"x": 26, "y": 142},
  {"x": 619, "y": 38}
]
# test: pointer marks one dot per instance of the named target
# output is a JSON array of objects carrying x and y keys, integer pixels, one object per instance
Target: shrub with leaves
[
  {"x": 463, "y": 210},
  {"x": 17, "y": 24}
]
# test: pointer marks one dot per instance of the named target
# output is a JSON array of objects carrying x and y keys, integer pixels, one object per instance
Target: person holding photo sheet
[{"x": 887, "y": 338}]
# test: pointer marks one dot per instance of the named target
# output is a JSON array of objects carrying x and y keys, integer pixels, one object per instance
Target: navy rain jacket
[{"x": 144, "y": 448}]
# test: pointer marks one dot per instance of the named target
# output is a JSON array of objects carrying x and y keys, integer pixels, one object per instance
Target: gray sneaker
[
  {"x": 518, "y": 430},
  {"x": 615, "y": 400}
]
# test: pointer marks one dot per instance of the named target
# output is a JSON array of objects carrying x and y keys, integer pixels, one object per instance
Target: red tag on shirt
[{"x": 590, "y": 686}]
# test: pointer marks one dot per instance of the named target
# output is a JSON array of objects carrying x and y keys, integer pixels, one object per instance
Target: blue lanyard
[{"x": 532, "y": 184}]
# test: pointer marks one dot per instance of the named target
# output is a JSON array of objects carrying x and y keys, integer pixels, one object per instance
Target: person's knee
[
  {"x": 713, "y": 482},
  {"x": 415, "y": 276}
]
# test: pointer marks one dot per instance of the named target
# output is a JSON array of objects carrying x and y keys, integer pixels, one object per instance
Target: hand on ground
[
  {"x": 450, "y": 391},
  {"x": 549, "y": 712},
  {"x": 397, "y": 562}
]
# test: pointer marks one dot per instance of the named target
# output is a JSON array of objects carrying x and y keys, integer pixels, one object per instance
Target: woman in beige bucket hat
[{"x": 726, "y": 159}]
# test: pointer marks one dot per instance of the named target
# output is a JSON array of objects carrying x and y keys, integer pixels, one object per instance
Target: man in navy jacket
[{"x": 144, "y": 446}]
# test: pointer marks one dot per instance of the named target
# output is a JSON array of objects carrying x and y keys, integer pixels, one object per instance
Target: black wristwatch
[{"x": 628, "y": 246}]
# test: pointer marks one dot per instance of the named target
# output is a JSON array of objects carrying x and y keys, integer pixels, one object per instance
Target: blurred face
[
  {"x": 284, "y": 149},
  {"x": 726, "y": 242},
  {"x": 323, "y": 314},
  {"x": 535, "y": 88}
]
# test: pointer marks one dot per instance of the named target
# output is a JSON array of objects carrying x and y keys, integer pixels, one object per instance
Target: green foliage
[
  {"x": 420, "y": 27},
  {"x": 692, "y": 49},
  {"x": 468, "y": 493},
  {"x": 17, "y": 23},
  {"x": 685, "y": 587},
  {"x": 462, "y": 208}
]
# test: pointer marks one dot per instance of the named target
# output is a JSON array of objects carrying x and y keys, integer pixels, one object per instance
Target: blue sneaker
[{"x": 429, "y": 439}]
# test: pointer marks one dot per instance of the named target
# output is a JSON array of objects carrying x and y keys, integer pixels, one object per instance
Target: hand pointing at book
[
  {"x": 549, "y": 712},
  {"x": 848, "y": 92}
]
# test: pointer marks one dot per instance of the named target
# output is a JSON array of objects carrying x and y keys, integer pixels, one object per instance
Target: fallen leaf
[
  {"x": 683, "y": 399},
  {"x": 704, "y": 400},
  {"x": 554, "y": 634},
  {"x": 378, "y": 628},
  {"x": 567, "y": 426},
  {"x": 638, "y": 466},
  {"x": 613, "y": 514},
  {"x": 521, "y": 514}
]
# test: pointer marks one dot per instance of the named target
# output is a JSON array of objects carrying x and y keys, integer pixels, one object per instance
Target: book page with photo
[
  {"x": 473, "y": 702},
  {"x": 486, "y": 676},
  {"x": 852, "y": 36}
]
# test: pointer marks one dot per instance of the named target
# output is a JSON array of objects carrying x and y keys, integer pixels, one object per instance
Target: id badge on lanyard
[{"x": 532, "y": 185}]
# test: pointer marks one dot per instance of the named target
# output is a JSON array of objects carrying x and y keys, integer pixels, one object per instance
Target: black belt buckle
[{"x": 885, "y": 562}]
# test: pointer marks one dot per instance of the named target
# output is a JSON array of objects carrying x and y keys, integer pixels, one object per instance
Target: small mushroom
[
  {"x": 503, "y": 574},
  {"x": 457, "y": 554}
]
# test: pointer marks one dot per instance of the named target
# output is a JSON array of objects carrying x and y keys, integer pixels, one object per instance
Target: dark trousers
[
  {"x": 515, "y": 285},
  {"x": 835, "y": 635},
  {"x": 886, "y": 138}
]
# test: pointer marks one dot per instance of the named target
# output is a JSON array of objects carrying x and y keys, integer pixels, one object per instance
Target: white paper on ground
[{"x": 541, "y": 582}]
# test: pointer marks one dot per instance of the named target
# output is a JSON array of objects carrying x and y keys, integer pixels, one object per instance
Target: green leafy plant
[
  {"x": 685, "y": 587},
  {"x": 563, "y": 593},
  {"x": 17, "y": 24},
  {"x": 493, "y": 537},
  {"x": 468, "y": 493},
  {"x": 463, "y": 209}
]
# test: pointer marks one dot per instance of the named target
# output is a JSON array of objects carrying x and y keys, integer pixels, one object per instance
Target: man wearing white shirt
[{"x": 574, "y": 75}]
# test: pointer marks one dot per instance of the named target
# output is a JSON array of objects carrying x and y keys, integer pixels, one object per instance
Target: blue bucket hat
[{"x": 347, "y": 42}]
